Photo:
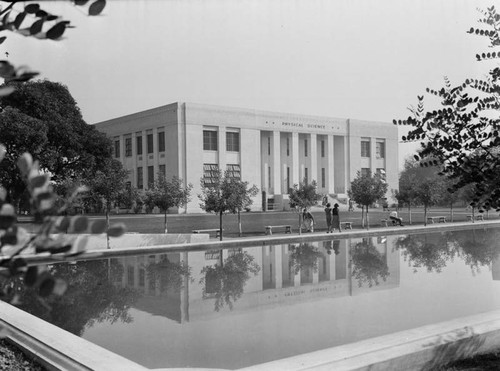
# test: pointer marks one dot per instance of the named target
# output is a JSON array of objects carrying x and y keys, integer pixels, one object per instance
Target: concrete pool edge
[{"x": 420, "y": 348}]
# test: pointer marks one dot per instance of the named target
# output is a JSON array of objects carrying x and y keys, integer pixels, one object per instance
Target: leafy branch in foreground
[{"x": 56, "y": 236}]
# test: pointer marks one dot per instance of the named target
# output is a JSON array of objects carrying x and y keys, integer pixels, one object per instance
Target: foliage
[
  {"x": 367, "y": 189},
  {"x": 303, "y": 257},
  {"x": 368, "y": 264},
  {"x": 29, "y": 19},
  {"x": 169, "y": 275},
  {"x": 167, "y": 194},
  {"x": 131, "y": 198},
  {"x": 462, "y": 136},
  {"x": 226, "y": 281},
  {"x": 303, "y": 195},
  {"x": 225, "y": 194},
  {"x": 49, "y": 240},
  {"x": 92, "y": 297}
]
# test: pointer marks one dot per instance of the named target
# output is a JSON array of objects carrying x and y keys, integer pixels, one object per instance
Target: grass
[{"x": 12, "y": 359}]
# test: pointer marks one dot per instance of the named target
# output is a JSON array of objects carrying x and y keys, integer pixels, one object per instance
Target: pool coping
[{"x": 414, "y": 349}]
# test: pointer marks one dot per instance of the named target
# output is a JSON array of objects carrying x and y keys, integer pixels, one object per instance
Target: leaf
[
  {"x": 32, "y": 8},
  {"x": 117, "y": 230},
  {"x": 36, "y": 27},
  {"x": 98, "y": 226},
  {"x": 81, "y": 2},
  {"x": 97, "y": 7},
  {"x": 25, "y": 163},
  {"x": 56, "y": 31},
  {"x": 2, "y": 39},
  {"x": 38, "y": 181},
  {"x": 41, "y": 13},
  {"x": 80, "y": 224},
  {"x": 6, "y": 90},
  {"x": 19, "y": 19}
]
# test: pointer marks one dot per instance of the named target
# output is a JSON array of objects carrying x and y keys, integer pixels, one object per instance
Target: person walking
[
  {"x": 336, "y": 217},
  {"x": 328, "y": 215},
  {"x": 308, "y": 220}
]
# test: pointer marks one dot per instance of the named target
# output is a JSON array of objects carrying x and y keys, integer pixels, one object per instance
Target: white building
[{"x": 269, "y": 149}]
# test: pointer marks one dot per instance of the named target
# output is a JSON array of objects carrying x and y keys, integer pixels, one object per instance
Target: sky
[{"x": 359, "y": 59}]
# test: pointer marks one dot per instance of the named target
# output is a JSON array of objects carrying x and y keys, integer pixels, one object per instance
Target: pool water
[{"x": 239, "y": 307}]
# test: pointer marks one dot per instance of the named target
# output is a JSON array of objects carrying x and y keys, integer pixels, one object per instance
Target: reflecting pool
[{"x": 239, "y": 307}]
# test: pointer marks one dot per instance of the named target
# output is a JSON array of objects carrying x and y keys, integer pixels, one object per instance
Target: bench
[
  {"x": 440, "y": 219},
  {"x": 216, "y": 230},
  {"x": 384, "y": 222},
  {"x": 346, "y": 225},
  {"x": 477, "y": 217},
  {"x": 269, "y": 228}
]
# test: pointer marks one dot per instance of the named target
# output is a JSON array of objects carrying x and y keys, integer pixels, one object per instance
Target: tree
[
  {"x": 131, "y": 198},
  {"x": 225, "y": 194},
  {"x": 368, "y": 264},
  {"x": 366, "y": 190},
  {"x": 167, "y": 194},
  {"x": 226, "y": 280},
  {"x": 303, "y": 257},
  {"x": 462, "y": 135},
  {"x": 406, "y": 194},
  {"x": 108, "y": 184},
  {"x": 303, "y": 196}
]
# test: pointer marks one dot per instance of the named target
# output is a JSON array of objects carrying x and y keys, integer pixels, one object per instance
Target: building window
[
  {"x": 306, "y": 175},
  {"x": 269, "y": 146},
  {"x": 305, "y": 147},
  {"x": 117, "y": 148},
  {"x": 150, "y": 143},
  {"x": 234, "y": 171},
  {"x": 163, "y": 171},
  {"x": 288, "y": 146},
  {"x": 365, "y": 148},
  {"x": 322, "y": 148},
  {"x": 142, "y": 277},
  {"x": 161, "y": 141},
  {"x": 232, "y": 142},
  {"x": 140, "y": 181},
  {"x": 365, "y": 171},
  {"x": 138, "y": 143},
  {"x": 130, "y": 275},
  {"x": 287, "y": 178},
  {"x": 210, "y": 140},
  {"x": 323, "y": 177},
  {"x": 128, "y": 147},
  {"x": 210, "y": 174},
  {"x": 151, "y": 176},
  {"x": 380, "y": 149},
  {"x": 269, "y": 177}
]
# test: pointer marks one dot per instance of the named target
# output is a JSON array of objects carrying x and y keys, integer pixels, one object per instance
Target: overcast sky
[{"x": 363, "y": 59}]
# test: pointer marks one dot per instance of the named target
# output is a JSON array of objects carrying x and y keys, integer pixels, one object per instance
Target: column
[
  {"x": 222, "y": 149},
  {"x": 314, "y": 158},
  {"x": 373, "y": 150},
  {"x": 276, "y": 161},
  {"x": 329, "y": 164},
  {"x": 278, "y": 258},
  {"x": 295, "y": 159},
  {"x": 184, "y": 294},
  {"x": 347, "y": 178}
]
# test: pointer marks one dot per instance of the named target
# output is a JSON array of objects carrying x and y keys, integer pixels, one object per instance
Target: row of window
[
  {"x": 379, "y": 149},
  {"x": 138, "y": 144},
  {"x": 211, "y": 141},
  {"x": 367, "y": 172},
  {"x": 151, "y": 175},
  {"x": 211, "y": 173}
]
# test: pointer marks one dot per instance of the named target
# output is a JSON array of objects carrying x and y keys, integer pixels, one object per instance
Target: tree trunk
[
  {"x": 425, "y": 215},
  {"x": 367, "y": 219},
  {"x": 165, "y": 222},
  {"x": 240, "y": 232},
  {"x": 107, "y": 227},
  {"x": 300, "y": 223},
  {"x": 473, "y": 214},
  {"x": 451, "y": 211},
  {"x": 220, "y": 226},
  {"x": 409, "y": 214},
  {"x": 362, "y": 216}
]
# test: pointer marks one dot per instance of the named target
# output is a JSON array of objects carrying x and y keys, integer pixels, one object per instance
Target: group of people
[{"x": 332, "y": 219}]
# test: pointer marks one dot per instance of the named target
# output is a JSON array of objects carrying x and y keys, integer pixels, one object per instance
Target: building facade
[{"x": 271, "y": 150}]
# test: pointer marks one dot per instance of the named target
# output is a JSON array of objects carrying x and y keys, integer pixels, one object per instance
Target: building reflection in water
[{"x": 288, "y": 274}]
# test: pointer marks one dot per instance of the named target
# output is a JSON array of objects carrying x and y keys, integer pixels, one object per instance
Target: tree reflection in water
[
  {"x": 169, "y": 275},
  {"x": 476, "y": 247},
  {"x": 225, "y": 280},
  {"x": 92, "y": 296},
  {"x": 368, "y": 264},
  {"x": 304, "y": 257}
]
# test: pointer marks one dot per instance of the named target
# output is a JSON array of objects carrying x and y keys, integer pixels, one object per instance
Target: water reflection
[
  {"x": 91, "y": 297},
  {"x": 368, "y": 263}
]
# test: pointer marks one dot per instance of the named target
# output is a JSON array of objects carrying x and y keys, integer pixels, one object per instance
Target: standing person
[
  {"x": 308, "y": 220},
  {"x": 328, "y": 215},
  {"x": 336, "y": 217},
  {"x": 351, "y": 205}
]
